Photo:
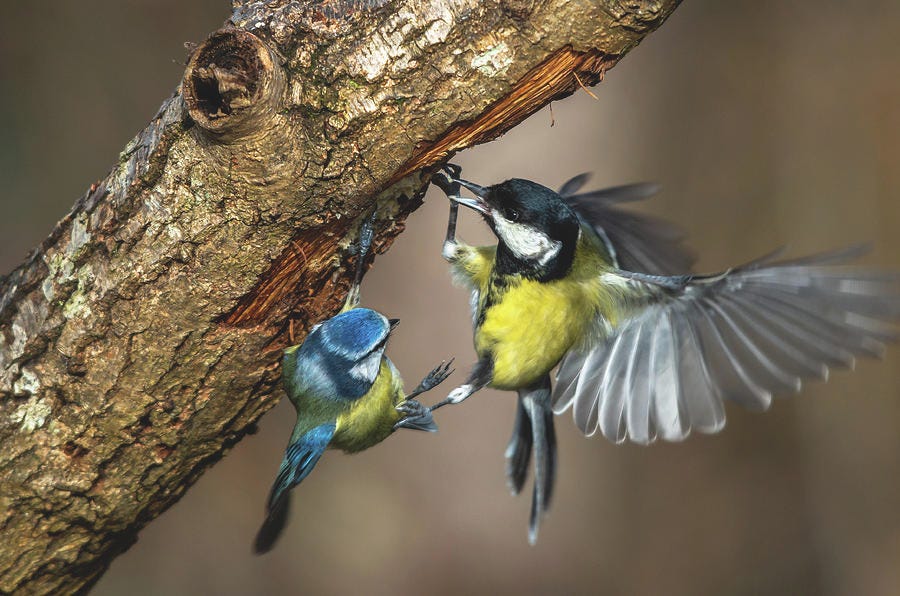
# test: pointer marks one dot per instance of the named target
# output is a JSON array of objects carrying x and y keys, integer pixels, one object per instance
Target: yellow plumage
[
  {"x": 527, "y": 326},
  {"x": 371, "y": 418}
]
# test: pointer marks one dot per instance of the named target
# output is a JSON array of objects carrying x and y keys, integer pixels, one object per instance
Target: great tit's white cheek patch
[{"x": 526, "y": 242}]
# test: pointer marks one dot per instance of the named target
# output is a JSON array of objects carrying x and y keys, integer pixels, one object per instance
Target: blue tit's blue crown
[
  {"x": 339, "y": 359},
  {"x": 354, "y": 333}
]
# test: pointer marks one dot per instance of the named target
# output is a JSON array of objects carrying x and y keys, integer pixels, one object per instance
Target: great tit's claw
[
  {"x": 451, "y": 170},
  {"x": 446, "y": 179}
]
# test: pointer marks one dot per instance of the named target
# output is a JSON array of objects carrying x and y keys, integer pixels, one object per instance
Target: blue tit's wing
[
  {"x": 688, "y": 343},
  {"x": 300, "y": 458},
  {"x": 638, "y": 242}
]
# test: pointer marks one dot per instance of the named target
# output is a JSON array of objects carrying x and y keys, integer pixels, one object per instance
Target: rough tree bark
[{"x": 143, "y": 337}]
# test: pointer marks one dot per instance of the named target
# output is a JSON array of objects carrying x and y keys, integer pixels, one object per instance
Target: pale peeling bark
[{"x": 143, "y": 337}]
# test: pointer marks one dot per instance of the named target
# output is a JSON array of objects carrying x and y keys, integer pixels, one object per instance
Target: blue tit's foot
[
  {"x": 447, "y": 179},
  {"x": 437, "y": 376},
  {"x": 416, "y": 416}
]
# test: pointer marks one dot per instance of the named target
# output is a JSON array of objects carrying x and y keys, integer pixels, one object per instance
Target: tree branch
[{"x": 143, "y": 337}]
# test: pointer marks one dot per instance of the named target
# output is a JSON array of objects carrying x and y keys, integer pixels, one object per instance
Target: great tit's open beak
[
  {"x": 478, "y": 190},
  {"x": 478, "y": 204},
  {"x": 393, "y": 323}
]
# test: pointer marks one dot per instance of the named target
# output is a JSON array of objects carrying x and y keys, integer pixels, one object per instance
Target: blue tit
[
  {"x": 644, "y": 349},
  {"x": 347, "y": 393}
]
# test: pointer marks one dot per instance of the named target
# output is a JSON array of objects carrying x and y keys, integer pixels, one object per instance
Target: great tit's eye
[{"x": 512, "y": 215}]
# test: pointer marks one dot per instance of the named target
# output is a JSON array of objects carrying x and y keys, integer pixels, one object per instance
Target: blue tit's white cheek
[
  {"x": 367, "y": 368},
  {"x": 526, "y": 242}
]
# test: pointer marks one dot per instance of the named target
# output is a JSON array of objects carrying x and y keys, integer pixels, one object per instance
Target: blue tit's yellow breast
[
  {"x": 528, "y": 325},
  {"x": 371, "y": 418}
]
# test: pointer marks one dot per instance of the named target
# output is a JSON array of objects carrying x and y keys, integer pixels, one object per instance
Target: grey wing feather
[
  {"x": 742, "y": 335},
  {"x": 638, "y": 242}
]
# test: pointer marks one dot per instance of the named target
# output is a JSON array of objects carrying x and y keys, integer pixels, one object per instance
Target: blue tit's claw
[
  {"x": 416, "y": 416},
  {"x": 437, "y": 376}
]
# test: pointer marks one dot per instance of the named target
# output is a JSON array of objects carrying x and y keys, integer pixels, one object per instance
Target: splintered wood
[
  {"x": 293, "y": 275},
  {"x": 559, "y": 75}
]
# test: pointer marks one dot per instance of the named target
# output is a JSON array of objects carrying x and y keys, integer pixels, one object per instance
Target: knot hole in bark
[{"x": 232, "y": 85}]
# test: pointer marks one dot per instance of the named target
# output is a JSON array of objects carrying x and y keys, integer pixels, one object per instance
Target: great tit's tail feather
[
  {"x": 536, "y": 402},
  {"x": 300, "y": 458},
  {"x": 518, "y": 451}
]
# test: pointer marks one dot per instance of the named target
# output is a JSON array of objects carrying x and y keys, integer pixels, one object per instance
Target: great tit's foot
[
  {"x": 446, "y": 179},
  {"x": 450, "y": 250},
  {"x": 456, "y": 396},
  {"x": 416, "y": 416}
]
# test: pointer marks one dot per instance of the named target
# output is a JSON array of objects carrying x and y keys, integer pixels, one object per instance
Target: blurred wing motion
[
  {"x": 638, "y": 242},
  {"x": 741, "y": 335}
]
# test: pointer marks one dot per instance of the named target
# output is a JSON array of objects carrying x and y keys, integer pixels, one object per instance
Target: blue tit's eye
[{"x": 512, "y": 215}]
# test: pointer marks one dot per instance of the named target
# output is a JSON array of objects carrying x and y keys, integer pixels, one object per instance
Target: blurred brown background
[{"x": 766, "y": 122}]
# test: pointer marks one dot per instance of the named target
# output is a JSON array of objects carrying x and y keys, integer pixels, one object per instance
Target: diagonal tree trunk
[{"x": 142, "y": 338}]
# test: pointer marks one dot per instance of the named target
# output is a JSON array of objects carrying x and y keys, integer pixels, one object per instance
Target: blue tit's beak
[{"x": 393, "y": 323}]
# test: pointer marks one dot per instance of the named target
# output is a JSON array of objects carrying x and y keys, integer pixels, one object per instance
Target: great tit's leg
[
  {"x": 437, "y": 376},
  {"x": 481, "y": 375},
  {"x": 366, "y": 234},
  {"x": 447, "y": 180},
  {"x": 535, "y": 402},
  {"x": 450, "y": 245}
]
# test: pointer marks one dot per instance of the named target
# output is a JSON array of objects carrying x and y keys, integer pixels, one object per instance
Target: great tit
[
  {"x": 347, "y": 393},
  {"x": 644, "y": 349}
]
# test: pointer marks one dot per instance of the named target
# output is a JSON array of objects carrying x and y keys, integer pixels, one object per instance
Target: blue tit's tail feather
[
  {"x": 536, "y": 406},
  {"x": 300, "y": 458},
  {"x": 276, "y": 518}
]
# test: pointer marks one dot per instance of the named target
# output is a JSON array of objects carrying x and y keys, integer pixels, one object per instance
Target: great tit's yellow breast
[
  {"x": 530, "y": 325},
  {"x": 371, "y": 418}
]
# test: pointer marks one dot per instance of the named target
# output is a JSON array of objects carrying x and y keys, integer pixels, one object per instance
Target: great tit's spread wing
[
  {"x": 690, "y": 342},
  {"x": 639, "y": 242}
]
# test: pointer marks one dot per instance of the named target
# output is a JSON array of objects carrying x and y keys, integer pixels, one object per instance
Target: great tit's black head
[{"x": 530, "y": 220}]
